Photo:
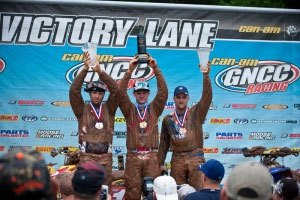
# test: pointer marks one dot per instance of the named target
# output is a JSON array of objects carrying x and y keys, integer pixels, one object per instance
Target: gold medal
[
  {"x": 143, "y": 124},
  {"x": 99, "y": 125},
  {"x": 182, "y": 130}
]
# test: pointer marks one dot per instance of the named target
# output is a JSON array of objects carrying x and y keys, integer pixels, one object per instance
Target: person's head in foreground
[
  {"x": 165, "y": 188},
  {"x": 248, "y": 181},
  {"x": 286, "y": 189}
]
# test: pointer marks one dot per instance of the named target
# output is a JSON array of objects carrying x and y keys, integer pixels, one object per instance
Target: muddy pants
[
  {"x": 139, "y": 166},
  {"x": 184, "y": 168},
  {"x": 104, "y": 159}
]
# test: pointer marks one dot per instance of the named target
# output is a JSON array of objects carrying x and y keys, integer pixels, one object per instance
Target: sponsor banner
[{"x": 255, "y": 69}]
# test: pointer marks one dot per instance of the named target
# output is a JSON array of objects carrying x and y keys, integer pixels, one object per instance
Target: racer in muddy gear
[
  {"x": 142, "y": 128},
  {"x": 182, "y": 133},
  {"x": 95, "y": 119}
]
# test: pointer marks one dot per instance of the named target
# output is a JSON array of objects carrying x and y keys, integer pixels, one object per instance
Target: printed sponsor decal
[
  {"x": 275, "y": 107},
  {"x": 120, "y": 134},
  {"x": 49, "y": 134},
  {"x": 120, "y": 119},
  {"x": 220, "y": 120},
  {"x": 229, "y": 136},
  {"x": 243, "y": 106},
  {"x": 61, "y": 103},
  {"x": 295, "y": 135},
  {"x": 8, "y": 133},
  {"x": 9, "y": 118},
  {"x": 255, "y": 121},
  {"x": 210, "y": 150},
  {"x": 2, "y": 65},
  {"x": 227, "y": 150},
  {"x": 240, "y": 121},
  {"x": 261, "y": 136},
  {"x": 44, "y": 118},
  {"x": 291, "y": 30},
  {"x": 260, "y": 77},
  {"x": 44, "y": 149},
  {"x": 29, "y": 118},
  {"x": 31, "y": 102}
]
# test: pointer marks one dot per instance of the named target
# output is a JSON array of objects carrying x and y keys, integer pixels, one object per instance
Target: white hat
[{"x": 165, "y": 188}]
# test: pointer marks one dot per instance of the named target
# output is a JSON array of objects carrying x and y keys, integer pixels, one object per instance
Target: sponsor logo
[
  {"x": 31, "y": 102},
  {"x": 2, "y": 65},
  {"x": 267, "y": 76},
  {"x": 44, "y": 149},
  {"x": 74, "y": 133},
  {"x": 61, "y": 103},
  {"x": 9, "y": 118},
  {"x": 170, "y": 105},
  {"x": 227, "y": 105},
  {"x": 2, "y": 148},
  {"x": 12, "y": 101},
  {"x": 255, "y": 121},
  {"x": 14, "y": 133},
  {"x": 120, "y": 134},
  {"x": 44, "y": 118},
  {"x": 220, "y": 120},
  {"x": 240, "y": 121},
  {"x": 297, "y": 105},
  {"x": 227, "y": 150},
  {"x": 295, "y": 135},
  {"x": 205, "y": 135},
  {"x": 291, "y": 30},
  {"x": 116, "y": 69},
  {"x": 243, "y": 106},
  {"x": 261, "y": 136},
  {"x": 118, "y": 149},
  {"x": 275, "y": 107},
  {"x": 49, "y": 134},
  {"x": 210, "y": 150},
  {"x": 29, "y": 118},
  {"x": 284, "y": 135},
  {"x": 212, "y": 106},
  {"x": 120, "y": 119},
  {"x": 229, "y": 136},
  {"x": 16, "y": 146}
]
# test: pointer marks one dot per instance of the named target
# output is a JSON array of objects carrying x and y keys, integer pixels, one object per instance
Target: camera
[
  {"x": 104, "y": 192},
  {"x": 148, "y": 188}
]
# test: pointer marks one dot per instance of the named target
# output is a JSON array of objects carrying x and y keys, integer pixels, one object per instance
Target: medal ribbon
[
  {"x": 181, "y": 122},
  {"x": 95, "y": 112},
  {"x": 144, "y": 114}
]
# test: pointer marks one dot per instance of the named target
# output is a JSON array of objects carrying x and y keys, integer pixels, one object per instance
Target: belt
[
  {"x": 142, "y": 150},
  {"x": 195, "y": 152}
]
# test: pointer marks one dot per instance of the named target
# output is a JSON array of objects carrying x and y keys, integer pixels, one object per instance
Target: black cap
[{"x": 95, "y": 86}]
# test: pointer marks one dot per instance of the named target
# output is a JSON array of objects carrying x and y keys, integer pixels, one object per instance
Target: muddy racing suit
[
  {"x": 95, "y": 143},
  {"x": 187, "y": 148},
  {"x": 142, "y": 144}
]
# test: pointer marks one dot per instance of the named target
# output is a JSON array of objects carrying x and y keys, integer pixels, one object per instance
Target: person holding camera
[
  {"x": 182, "y": 132},
  {"x": 96, "y": 118},
  {"x": 142, "y": 128}
]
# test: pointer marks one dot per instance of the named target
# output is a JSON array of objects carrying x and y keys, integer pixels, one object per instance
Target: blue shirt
[{"x": 205, "y": 194}]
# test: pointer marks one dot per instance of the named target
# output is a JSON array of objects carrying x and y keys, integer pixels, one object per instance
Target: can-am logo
[
  {"x": 116, "y": 69},
  {"x": 267, "y": 76}
]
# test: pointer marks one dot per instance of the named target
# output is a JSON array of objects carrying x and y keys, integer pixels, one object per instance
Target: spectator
[
  {"x": 286, "y": 189},
  {"x": 64, "y": 180},
  {"x": 212, "y": 175},
  {"x": 185, "y": 190},
  {"x": 165, "y": 188},
  {"x": 87, "y": 180},
  {"x": 24, "y": 175},
  {"x": 248, "y": 180}
]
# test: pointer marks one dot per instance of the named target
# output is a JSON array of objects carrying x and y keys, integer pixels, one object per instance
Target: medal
[
  {"x": 99, "y": 125},
  {"x": 143, "y": 124},
  {"x": 181, "y": 122},
  {"x": 182, "y": 130}
]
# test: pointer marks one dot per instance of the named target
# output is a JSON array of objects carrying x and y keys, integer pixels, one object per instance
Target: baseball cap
[
  {"x": 249, "y": 180},
  {"x": 24, "y": 175},
  {"x": 287, "y": 188},
  {"x": 185, "y": 190},
  {"x": 212, "y": 169},
  {"x": 95, "y": 86},
  {"x": 181, "y": 90},
  {"x": 88, "y": 177},
  {"x": 141, "y": 85},
  {"x": 165, "y": 188}
]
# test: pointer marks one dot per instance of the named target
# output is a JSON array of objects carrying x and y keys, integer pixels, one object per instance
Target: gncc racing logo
[
  {"x": 266, "y": 76},
  {"x": 116, "y": 68}
]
